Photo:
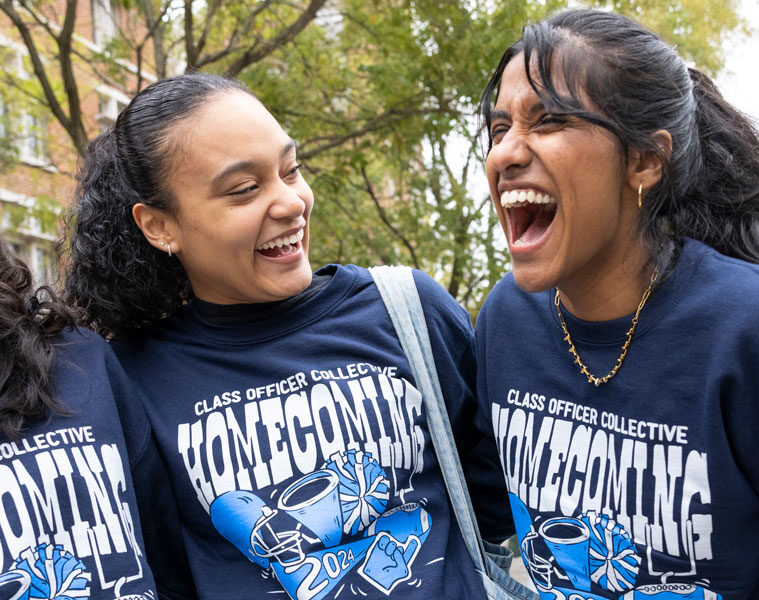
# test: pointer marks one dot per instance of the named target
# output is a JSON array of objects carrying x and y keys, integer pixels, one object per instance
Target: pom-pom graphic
[
  {"x": 364, "y": 488},
  {"x": 614, "y": 561},
  {"x": 55, "y": 573}
]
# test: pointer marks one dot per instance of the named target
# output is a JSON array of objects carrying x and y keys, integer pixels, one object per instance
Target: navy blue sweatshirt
[
  {"x": 69, "y": 526},
  {"x": 297, "y": 447},
  {"x": 647, "y": 486}
]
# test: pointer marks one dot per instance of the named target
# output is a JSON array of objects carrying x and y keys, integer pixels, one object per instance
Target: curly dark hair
[
  {"x": 118, "y": 280},
  {"x": 709, "y": 190},
  {"x": 29, "y": 320}
]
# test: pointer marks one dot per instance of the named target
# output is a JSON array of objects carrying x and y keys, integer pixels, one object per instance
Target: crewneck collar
[
  {"x": 249, "y": 324},
  {"x": 663, "y": 300},
  {"x": 240, "y": 314}
]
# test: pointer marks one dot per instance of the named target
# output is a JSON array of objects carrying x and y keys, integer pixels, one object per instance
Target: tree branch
[
  {"x": 44, "y": 22},
  {"x": 241, "y": 29},
  {"x": 383, "y": 216},
  {"x": 69, "y": 81},
  {"x": 386, "y": 119},
  {"x": 213, "y": 6},
  {"x": 189, "y": 44},
  {"x": 39, "y": 71},
  {"x": 253, "y": 55},
  {"x": 155, "y": 31}
]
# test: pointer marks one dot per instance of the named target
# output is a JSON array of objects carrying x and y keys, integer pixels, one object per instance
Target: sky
[{"x": 739, "y": 80}]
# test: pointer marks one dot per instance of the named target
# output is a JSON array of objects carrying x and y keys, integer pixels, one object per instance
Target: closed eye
[
  {"x": 247, "y": 190},
  {"x": 294, "y": 170},
  {"x": 551, "y": 121},
  {"x": 498, "y": 131}
]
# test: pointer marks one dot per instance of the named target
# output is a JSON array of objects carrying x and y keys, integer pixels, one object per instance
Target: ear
[
  {"x": 157, "y": 225},
  {"x": 645, "y": 168}
]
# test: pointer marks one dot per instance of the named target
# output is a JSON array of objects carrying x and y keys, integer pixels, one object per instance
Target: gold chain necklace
[{"x": 573, "y": 351}]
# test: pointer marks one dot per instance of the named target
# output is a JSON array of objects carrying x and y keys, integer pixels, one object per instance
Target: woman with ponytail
[
  {"x": 620, "y": 358},
  {"x": 280, "y": 401},
  {"x": 69, "y": 526}
]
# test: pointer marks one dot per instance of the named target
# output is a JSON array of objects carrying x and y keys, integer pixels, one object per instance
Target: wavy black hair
[
  {"x": 709, "y": 190},
  {"x": 29, "y": 321},
  {"x": 118, "y": 280}
]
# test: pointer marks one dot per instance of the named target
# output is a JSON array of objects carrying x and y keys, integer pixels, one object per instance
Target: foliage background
[{"x": 381, "y": 96}]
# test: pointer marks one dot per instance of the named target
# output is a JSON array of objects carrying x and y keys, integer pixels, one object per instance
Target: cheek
[{"x": 491, "y": 173}]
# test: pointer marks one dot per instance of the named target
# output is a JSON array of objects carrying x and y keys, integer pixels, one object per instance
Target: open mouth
[
  {"x": 282, "y": 246},
  {"x": 530, "y": 215}
]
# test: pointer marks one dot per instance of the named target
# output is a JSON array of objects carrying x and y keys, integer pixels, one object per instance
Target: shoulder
[
  {"x": 507, "y": 298},
  {"x": 83, "y": 372},
  {"x": 723, "y": 286},
  {"x": 80, "y": 349},
  {"x": 436, "y": 299},
  {"x": 448, "y": 322},
  {"x": 731, "y": 275},
  {"x": 80, "y": 340}
]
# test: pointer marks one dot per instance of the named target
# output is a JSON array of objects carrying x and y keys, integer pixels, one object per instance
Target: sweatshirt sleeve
[
  {"x": 156, "y": 503},
  {"x": 739, "y": 404},
  {"x": 452, "y": 340}
]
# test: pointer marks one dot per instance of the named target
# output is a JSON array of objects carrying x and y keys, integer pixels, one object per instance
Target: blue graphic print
[
  {"x": 340, "y": 508},
  {"x": 46, "y": 572},
  {"x": 591, "y": 558},
  {"x": 364, "y": 489}
]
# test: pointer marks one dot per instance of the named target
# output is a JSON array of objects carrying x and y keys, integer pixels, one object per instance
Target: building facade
[{"x": 38, "y": 159}]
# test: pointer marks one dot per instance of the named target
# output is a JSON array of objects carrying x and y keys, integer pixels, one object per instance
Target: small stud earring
[
  {"x": 640, "y": 195},
  {"x": 162, "y": 243},
  {"x": 169, "y": 250}
]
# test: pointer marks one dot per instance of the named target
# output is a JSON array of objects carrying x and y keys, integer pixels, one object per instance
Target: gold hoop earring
[{"x": 640, "y": 195}]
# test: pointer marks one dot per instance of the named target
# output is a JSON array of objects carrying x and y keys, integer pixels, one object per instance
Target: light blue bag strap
[{"x": 398, "y": 290}]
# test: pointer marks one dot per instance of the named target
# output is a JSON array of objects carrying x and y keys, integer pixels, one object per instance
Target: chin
[
  {"x": 299, "y": 280},
  {"x": 531, "y": 281}
]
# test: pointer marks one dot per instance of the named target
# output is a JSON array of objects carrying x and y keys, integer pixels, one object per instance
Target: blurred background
[{"x": 380, "y": 95}]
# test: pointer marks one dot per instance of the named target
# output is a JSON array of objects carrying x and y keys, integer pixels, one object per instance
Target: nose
[
  {"x": 511, "y": 153},
  {"x": 290, "y": 201}
]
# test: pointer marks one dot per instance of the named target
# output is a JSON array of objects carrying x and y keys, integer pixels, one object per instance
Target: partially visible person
[
  {"x": 619, "y": 361},
  {"x": 69, "y": 526},
  {"x": 281, "y": 401}
]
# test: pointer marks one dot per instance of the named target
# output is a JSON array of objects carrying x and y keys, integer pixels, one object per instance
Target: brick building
[{"x": 39, "y": 159}]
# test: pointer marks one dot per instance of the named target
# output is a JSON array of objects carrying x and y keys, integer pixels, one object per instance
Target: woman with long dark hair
[
  {"x": 69, "y": 526},
  {"x": 620, "y": 358},
  {"x": 280, "y": 401}
]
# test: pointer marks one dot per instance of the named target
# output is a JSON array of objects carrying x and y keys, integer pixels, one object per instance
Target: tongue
[
  {"x": 275, "y": 252},
  {"x": 541, "y": 220}
]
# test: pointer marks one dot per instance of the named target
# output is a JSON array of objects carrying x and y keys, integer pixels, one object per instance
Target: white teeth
[
  {"x": 513, "y": 198},
  {"x": 279, "y": 242}
]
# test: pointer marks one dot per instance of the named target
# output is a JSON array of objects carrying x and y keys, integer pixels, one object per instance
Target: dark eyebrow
[
  {"x": 288, "y": 146},
  {"x": 533, "y": 110},
  {"x": 248, "y": 165}
]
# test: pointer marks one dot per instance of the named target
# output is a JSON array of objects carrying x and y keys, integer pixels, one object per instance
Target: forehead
[
  {"x": 515, "y": 91},
  {"x": 230, "y": 126}
]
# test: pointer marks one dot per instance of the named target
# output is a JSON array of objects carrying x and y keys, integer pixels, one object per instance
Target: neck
[{"x": 607, "y": 294}]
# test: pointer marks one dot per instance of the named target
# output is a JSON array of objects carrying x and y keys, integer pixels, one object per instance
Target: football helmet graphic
[{"x": 259, "y": 532}]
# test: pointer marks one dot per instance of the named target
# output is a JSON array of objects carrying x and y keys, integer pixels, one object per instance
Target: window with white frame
[
  {"x": 104, "y": 21},
  {"x": 32, "y": 140},
  {"x": 110, "y": 103},
  {"x": 26, "y": 235}
]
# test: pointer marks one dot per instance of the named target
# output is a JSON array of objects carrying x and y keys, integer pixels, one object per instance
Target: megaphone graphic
[{"x": 314, "y": 501}]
